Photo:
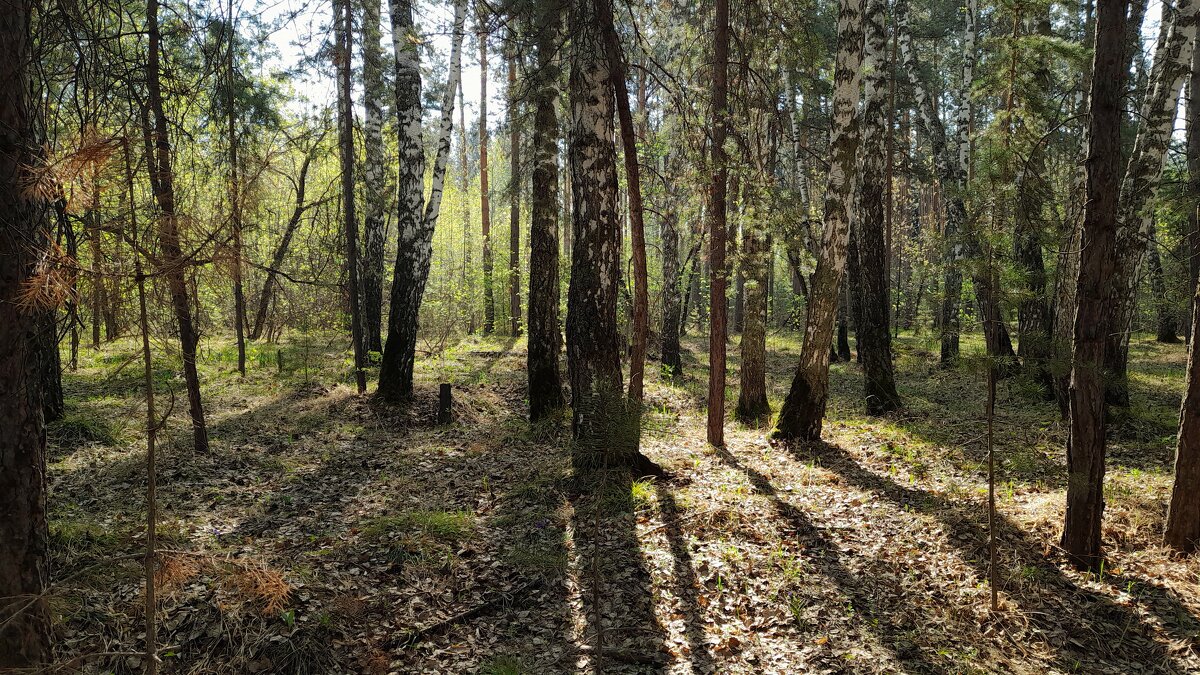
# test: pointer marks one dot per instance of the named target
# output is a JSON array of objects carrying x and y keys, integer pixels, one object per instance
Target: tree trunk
[
  {"x": 235, "y": 201},
  {"x": 752, "y": 404},
  {"x": 375, "y": 193},
  {"x": 173, "y": 264},
  {"x": 1095, "y": 315},
  {"x": 25, "y": 637},
  {"x": 673, "y": 318},
  {"x": 344, "y": 22},
  {"x": 545, "y": 382},
  {"x": 415, "y": 224},
  {"x": 514, "y": 199},
  {"x": 489, "y": 301},
  {"x": 717, "y": 228},
  {"x": 1163, "y": 310},
  {"x": 804, "y": 408},
  {"x": 637, "y": 227},
  {"x": 872, "y": 325},
  {"x": 1172, "y": 64},
  {"x": 603, "y": 424},
  {"x": 1183, "y": 516}
]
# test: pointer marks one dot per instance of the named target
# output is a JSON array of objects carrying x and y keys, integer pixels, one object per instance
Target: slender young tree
[
  {"x": 24, "y": 536},
  {"x": 869, "y": 247},
  {"x": 1095, "y": 315},
  {"x": 672, "y": 317},
  {"x": 172, "y": 261},
  {"x": 545, "y": 382},
  {"x": 343, "y": 23},
  {"x": 514, "y": 201},
  {"x": 485, "y": 209},
  {"x": 375, "y": 195},
  {"x": 235, "y": 196},
  {"x": 417, "y": 216},
  {"x": 717, "y": 228},
  {"x": 804, "y": 408},
  {"x": 1183, "y": 515}
]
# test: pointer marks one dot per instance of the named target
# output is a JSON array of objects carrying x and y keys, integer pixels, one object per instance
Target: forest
[{"x": 562, "y": 336}]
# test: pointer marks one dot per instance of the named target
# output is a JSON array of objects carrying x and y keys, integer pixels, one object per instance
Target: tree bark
[
  {"x": 1183, "y": 515},
  {"x": 717, "y": 228},
  {"x": 603, "y": 423},
  {"x": 545, "y": 381},
  {"x": 172, "y": 262},
  {"x": 25, "y": 639},
  {"x": 637, "y": 228},
  {"x": 1095, "y": 316},
  {"x": 343, "y": 22},
  {"x": 235, "y": 200},
  {"x": 804, "y": 408},
  {"x": 489, "y": 302},
  {"x": 417, "y": 217},
  {"x": 375, "y": 194},
  {"x": 1172, "y": 64},
  {"x": 872, "y": 324},
  {"x": 514, "y": 203}
]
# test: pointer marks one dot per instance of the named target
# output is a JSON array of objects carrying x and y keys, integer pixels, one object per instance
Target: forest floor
[{"x": 327, "y": 533}]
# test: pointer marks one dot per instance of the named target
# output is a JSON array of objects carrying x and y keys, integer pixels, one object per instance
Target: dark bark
[
  {"x": 374, "y": 183},
  {"x": 604, "y": 423},
  {"x": 1095, "y": 315},
  {"x": 673, "y": 318},
  {"x": 485, "y": 209},
  {"x": 235, "y": 203},
  {"x": 343, "y": 19},
  {"x": 514, "y": 203},
  {"x": 172, "y": 261},
  {"x": 1183, "y": 515},
  {"x": 842, "y": 348},
  {"x": 545, "y": 381},
  {"x": 717, "y": 228},
  {"x": 24, "y": 537},
  {"x": 1164, "y": 310}
]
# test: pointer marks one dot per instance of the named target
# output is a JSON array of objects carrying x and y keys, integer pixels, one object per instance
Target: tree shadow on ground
[
  {"x": 1101, "y": 633},
  {"x": 896, "y": 629},
  {"x": 685, "y": 581}
]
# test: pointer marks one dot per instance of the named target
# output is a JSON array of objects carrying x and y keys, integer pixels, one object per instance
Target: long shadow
[
  {"x": 1049, "y": 597},
  {"x": 621, "y": 634},
  {"x": 685, "y": 580},
  {"x": 893, "y": 623}
]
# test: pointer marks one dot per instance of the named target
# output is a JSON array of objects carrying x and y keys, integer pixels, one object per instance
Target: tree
[
  {"x": 235, "y": 198},
  {"x": 375, "y": 181},
  {"x": 717, "y": 228},
  {"x": 869, "y": 248},
  {"x": 604, "y": 423},
  {"x": 1095, "y": 315},
  {"x": 417, "y": 216},
  {"x": 514, "y": 201},
  {"x": 545, "y": 382},
  {"x": 173, "y": 263},
  {"x": 1183, "y": 515},
  {"x": 752, "y": 404},
  {"x": 804, "y": 408},
  {"x": 672, "y": 316},
  {"x": 489, "y": 301},
  {"x": 343, "y": 22},
  {"x": 24, "y": 536}
]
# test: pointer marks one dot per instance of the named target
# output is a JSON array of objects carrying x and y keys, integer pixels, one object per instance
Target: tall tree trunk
[
  {"x": 1163, "y": 309},
  {"x": 637, "y": 227},
  {"x": 1096, "y": 298},
  {"x": 604, "y": 424},
  {"x": 672, "y": 321},
  {"x": 545, "y": 382},
  {"x": 235, "y": 198},
  {"x": 173, "y": 263},
  {"x": 717, "y": 228},
  {"x": 1193, "y": 168},
  {"x": 25, "y": 639},
  {"x": 752, "y": 405},
  {"x": 375, "y": 192},
  {"x": 804, "y": 408},
  {"x": 1172, "y": 64},
  {"x": 1183, "y": 515},
  {"x": 415, "y": 224},
  {"x": 464, "y": 185},
  {"x": 514, "y": 199},
  {"x": 872, "y": 325},
  {"x": 344, "y": 22},
  {"x": 489, "y": 302}
]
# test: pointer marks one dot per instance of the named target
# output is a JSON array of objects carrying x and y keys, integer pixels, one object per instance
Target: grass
[{"x": 444, "y": 525}]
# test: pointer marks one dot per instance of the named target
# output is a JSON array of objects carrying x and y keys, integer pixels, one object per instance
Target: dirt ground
[{"x": 327, "y": 533}]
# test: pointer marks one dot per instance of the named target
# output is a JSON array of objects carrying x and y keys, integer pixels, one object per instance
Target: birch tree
[
  {"x": 416, "y": 215},
  {"x": 804, "y": 408},
  {"x": 374, "y": 177}
]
